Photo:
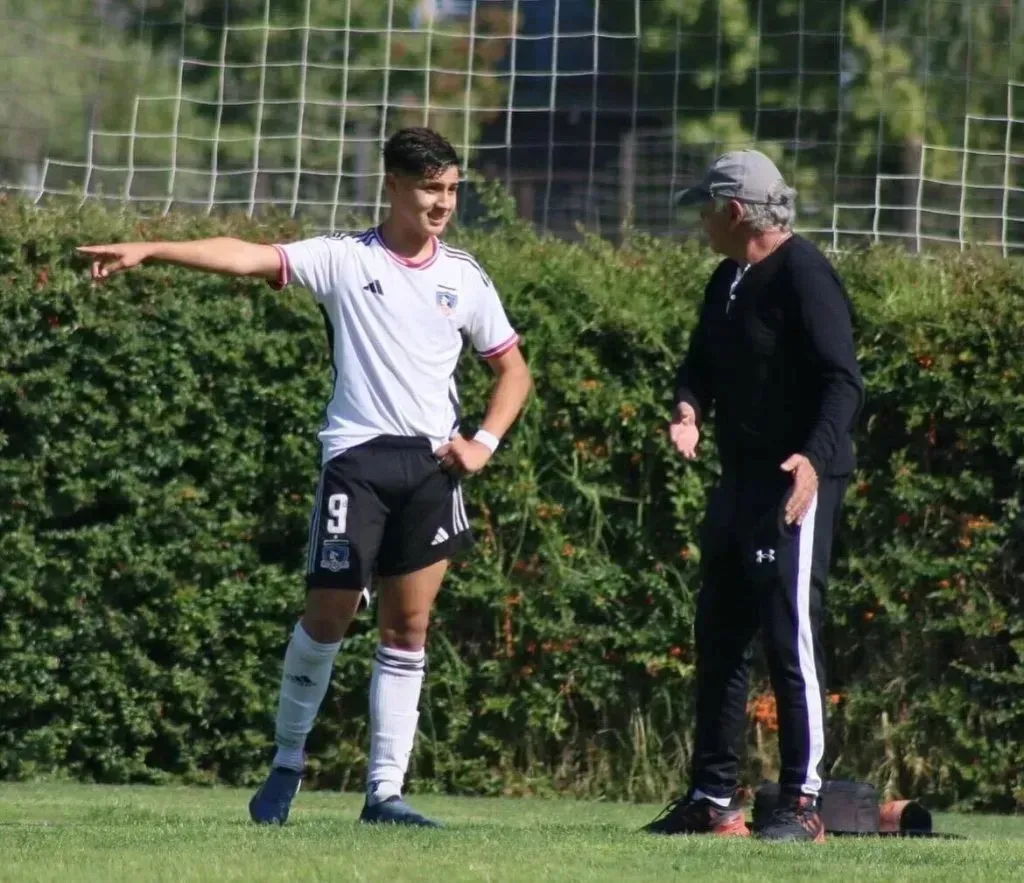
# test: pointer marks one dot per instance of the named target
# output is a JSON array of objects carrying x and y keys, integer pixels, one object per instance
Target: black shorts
[{"x": 384, "y": 507}]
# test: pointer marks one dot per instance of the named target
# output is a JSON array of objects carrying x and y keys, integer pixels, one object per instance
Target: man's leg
[
  {"x": 308, "y": 661},
  {"x": 345, "y": 533},
  {"x": 405, "y": 603},
  {"x": 725, "y": 625},
  {"x": 423, "y": 533},
  {"x": 793, "y": 606}
]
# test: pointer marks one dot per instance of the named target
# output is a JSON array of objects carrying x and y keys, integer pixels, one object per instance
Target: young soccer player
[{"x": 396, "y": 301}]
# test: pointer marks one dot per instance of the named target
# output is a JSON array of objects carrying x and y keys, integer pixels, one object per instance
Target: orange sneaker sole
[{"x": 734, "y": 827}]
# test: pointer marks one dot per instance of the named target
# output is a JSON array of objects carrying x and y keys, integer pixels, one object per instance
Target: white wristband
[{"x": 487, "y": 439}]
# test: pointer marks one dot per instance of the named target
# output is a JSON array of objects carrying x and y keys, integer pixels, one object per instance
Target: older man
[{"x": 773, "y": 355}]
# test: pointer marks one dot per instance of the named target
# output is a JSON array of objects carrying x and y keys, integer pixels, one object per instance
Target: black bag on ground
[{"x": 846, "y": 807}]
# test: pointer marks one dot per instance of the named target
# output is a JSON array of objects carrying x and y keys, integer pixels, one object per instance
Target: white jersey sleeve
[
  {"x": 316, "y": 264},
  {"x": 487, "y": 324}
]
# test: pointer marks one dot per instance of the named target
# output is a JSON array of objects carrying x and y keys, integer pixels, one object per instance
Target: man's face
[
  {"x": 424, "y": 204},
  {"x": 720, "y": 220}
]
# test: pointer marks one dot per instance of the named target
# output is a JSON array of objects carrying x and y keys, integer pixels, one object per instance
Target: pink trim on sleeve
[
  {"x": 284, "y": 274},
  {"x": 501, "y": 348}
]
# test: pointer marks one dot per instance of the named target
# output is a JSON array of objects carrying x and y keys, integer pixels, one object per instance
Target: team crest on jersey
[
  {"x": 334, "y": 555},
  {"x": 447, "y": 300}
]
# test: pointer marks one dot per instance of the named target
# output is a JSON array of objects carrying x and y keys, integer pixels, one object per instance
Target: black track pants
[{"x": 759, "y": 572}]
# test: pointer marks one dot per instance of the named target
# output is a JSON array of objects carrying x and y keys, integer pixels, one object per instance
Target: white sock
[
  {"x": 307, "y": 673},
  {"x": 394, "y": 712},
  {"x": 724, "y": 802}
]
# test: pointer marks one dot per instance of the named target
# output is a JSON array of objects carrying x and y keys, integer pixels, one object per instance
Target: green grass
[{"x": 72, "y": 833}]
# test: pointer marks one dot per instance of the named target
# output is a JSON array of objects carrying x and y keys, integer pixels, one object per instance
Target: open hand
[
  {"x": 110, "y": 259},
  {"x": 463, "y": 455},
  {"x": 684, "y": 432},
  {"x": 805, "y": 486}
]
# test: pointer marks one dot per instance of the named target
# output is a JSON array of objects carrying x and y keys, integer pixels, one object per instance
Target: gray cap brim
[{"x": 692, "y": 196}]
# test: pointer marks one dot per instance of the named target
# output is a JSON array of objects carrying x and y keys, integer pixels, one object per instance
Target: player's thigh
[
  {"x": 427, "y": 525},
  {"x": 424, "y": 532},
  {"x": 346, "y": 530}
]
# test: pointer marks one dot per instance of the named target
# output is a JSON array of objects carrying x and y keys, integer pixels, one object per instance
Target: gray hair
[{"x": 778, "y": 214}]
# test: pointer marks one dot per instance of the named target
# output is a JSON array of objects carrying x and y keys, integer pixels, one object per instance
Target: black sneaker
[
  {"x": 795, "y": 818},
  {"x": 394, "y": 811},
  {"x": 687, "y": 816},
  {"x": 272, "y": 803}
]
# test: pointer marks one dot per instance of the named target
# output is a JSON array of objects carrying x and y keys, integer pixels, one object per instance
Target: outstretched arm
[{"x": 232, "y": 257}]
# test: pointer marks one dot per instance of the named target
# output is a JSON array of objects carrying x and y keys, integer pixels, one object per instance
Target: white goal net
[{"x": 897, "y": 120}]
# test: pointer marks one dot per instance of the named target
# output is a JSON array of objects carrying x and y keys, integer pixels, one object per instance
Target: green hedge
[{"x": 159, "y": 458}]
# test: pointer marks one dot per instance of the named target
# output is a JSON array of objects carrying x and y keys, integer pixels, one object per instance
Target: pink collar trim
[{"x": 405, "y": 262}]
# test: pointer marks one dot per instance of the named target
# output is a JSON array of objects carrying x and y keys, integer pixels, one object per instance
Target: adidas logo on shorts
[{"x": 440, "y": 537}]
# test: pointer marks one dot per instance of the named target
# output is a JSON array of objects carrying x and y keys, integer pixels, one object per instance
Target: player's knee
[
  {"x": 325, "y": 629},
  {"x": 329, "y": 612},
  {"x": 411, "y": 635}
]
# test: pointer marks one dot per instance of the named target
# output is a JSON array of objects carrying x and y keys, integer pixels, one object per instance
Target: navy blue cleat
[
  {"x": 394, "y": 811},
  {"x": 270, "y": 805}
]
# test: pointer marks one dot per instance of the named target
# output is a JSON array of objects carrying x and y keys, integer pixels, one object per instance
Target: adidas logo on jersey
[
  {"x": 440, "y": 537},
  {"x": 374, "y": 287}
]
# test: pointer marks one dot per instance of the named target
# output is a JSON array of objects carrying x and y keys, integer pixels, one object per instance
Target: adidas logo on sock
[
  {"x": 301, "y": 680},
  {"x": 440, "y": 537}
]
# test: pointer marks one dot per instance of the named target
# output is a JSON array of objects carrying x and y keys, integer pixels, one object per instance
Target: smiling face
[
  {"x": 423, "y": 205},
  {"x": 422, "y": 182}
]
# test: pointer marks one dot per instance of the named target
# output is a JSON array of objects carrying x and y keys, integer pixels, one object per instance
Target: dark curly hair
[{"x": 419, "y": 152}]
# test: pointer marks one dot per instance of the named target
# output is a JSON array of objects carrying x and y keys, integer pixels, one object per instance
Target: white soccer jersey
[{"x": 395, "y": 329}]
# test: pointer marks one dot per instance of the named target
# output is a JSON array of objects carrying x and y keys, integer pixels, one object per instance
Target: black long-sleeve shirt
[{"x": 774, "y": 358}]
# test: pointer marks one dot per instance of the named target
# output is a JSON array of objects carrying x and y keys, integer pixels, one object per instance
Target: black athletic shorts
[{"x": 385, "y": 507}]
